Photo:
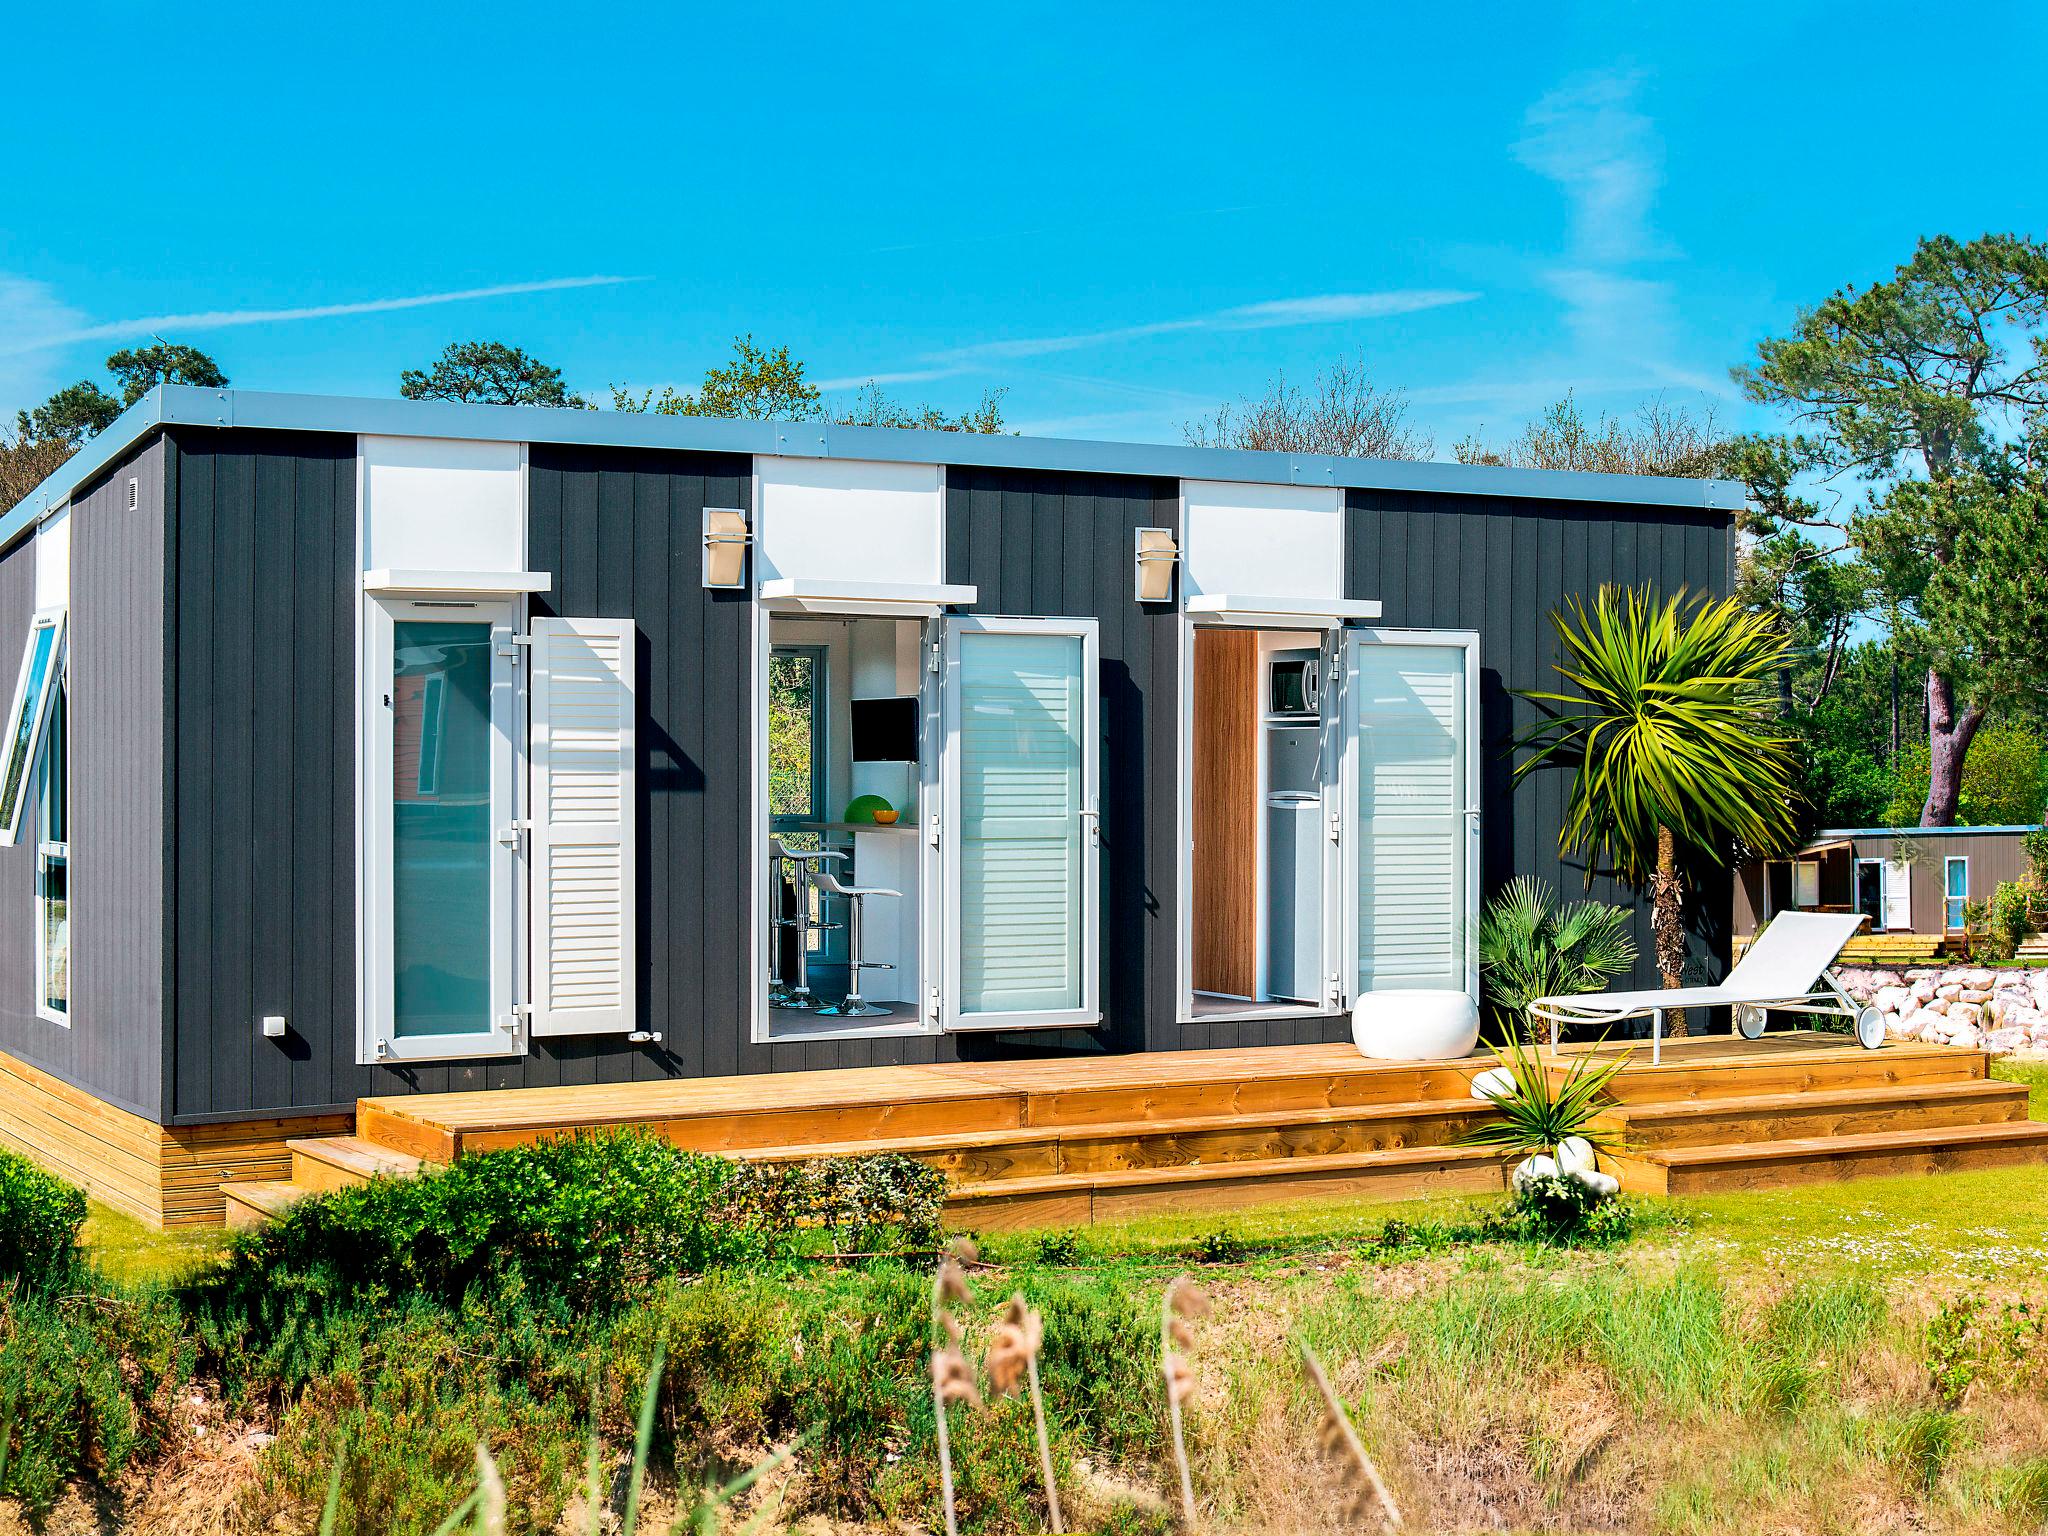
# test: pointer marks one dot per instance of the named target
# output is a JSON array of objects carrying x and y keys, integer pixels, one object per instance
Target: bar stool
[
  {"x": 853, "y": 1006},
  {"x": 805, "y": 861}
]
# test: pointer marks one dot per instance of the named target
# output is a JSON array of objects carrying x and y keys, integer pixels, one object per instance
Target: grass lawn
[{"x": 129, "y": 1252}]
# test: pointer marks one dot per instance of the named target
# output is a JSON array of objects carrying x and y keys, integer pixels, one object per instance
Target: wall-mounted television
[{"x": 885, "y": 730}]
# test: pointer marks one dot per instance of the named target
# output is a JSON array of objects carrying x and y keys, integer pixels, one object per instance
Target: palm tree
[
  {"x": 1670, "y": 720},
  {"x": 1530, "y": 947}
]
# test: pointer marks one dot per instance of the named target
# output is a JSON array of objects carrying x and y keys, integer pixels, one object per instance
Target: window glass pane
[
  {"x": 795, "y": 734},
  {"x": 21, "y": 730},
  {"x": 441, "y": 828},
  {"x": 55, "y": 894},
  {"x": 1021, "y": 703},
  {"x": 56, "y": 777},
  {"x": 1413, "y": 908}
]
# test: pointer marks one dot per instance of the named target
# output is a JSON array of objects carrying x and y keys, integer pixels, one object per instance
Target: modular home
[
  {"x": 371, "y": 748},
  {"x": 1906, "y": 880}
]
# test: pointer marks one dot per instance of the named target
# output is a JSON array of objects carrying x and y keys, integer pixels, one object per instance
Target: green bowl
[{"x": 862, "y": 808}]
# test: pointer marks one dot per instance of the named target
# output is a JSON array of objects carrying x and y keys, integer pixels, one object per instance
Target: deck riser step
[
  {"x": 1878, "y": 1069},
  {"x": 1083, "y": 1206},
  {"x": 1738, "y": 1126},
  {"x": 1821, "y": 1168}
]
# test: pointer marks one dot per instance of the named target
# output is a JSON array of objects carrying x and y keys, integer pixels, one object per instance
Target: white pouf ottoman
[{"x": 1415, "y": 1024}]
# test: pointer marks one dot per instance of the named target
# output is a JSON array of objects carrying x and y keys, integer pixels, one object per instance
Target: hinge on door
[
  {"x": 932, "y": 835},
  {"x": 1336, "y": 827},
  {"x": 512, "y": 831},
  {"x": 510, "y": 645},
  {"x": 509, "y": 1022},
  {"x": 932, "y": 1000},
  {"x": 1333, "y": 990},
  {"x": 933, "y": 664}
]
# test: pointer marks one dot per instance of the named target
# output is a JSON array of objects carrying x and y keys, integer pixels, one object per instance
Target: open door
[
  {"x": 1018, "y": 831},
  {"x": 1412, "y": 802}
]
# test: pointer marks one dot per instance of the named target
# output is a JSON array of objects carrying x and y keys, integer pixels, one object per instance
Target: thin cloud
[
  {"x": 1315, "y": 309},
  {"x": 1588, "y": 137},
  {"x": 215, "y": 319}
]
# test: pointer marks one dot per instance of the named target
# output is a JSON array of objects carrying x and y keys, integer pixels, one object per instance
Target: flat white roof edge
[{"x": 187, "y": 405}]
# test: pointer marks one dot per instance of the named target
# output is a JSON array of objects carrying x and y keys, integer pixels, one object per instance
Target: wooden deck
[{"x": 1068, "y": 1141}]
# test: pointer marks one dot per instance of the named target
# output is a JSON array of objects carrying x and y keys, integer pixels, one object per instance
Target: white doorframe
[
  {"x": 951, "y": 812},
  {"x": 1466, "y": 641},
  {"x": 503, "y": 1032}
]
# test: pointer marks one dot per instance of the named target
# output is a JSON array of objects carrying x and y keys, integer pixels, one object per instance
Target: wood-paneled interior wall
[{"x": 1225, "y": 747}]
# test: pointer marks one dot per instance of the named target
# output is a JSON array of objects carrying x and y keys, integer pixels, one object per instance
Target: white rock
[
  {"x": 1575, "y": 1155},
  {"x": 1890, "y": 999},
  {"x": 1966, "y": 1038},
  {"x": 2003, "y": 1040},
  {"x": 1605, "y": 1185},
  {"x": 1493, "y": 1083},
  {"x": 1980, "y": 978},
  {"x": 1537, "y": 1167},
  {"x": 1921, "y": 973},
  {"x": 1907, "y": 1028},
  {"x": 1949, "y": 991},
  {"x": 1973, "y": 995},
  {"x": 1921, "y": 990},
  {"x": 1935, "y": 1005},
  {"x": 1965, "y": 1013}
]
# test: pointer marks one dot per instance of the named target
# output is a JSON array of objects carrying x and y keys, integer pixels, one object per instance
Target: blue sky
[{"x": 1119, "y": 216}]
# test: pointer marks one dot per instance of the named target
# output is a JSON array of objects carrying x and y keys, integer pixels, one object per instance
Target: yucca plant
[
  {"x": 1530, "y": 947},
  {"x": 1670, "y": 719},
  {"x": 1540, "y": 1110}
]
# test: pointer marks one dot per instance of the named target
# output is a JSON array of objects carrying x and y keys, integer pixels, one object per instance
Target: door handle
[{"x": 1093, "y": 820}]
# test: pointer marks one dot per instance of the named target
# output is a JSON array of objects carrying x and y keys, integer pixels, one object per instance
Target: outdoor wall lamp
[
  {"x": 1157, "y": 554},
  {"x": 725, "y": 547}
]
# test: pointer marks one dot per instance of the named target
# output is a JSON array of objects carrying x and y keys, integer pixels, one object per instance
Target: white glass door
[
  {"x": 441, "y": 860},
  {"x": 1018, "y": 830},
  {"x": 1412, "y": 810}
]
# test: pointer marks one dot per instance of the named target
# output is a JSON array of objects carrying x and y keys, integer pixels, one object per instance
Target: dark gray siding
[
  {"x": 1500, "y": 567},
  {"x": 1046, "y": 545},
  {"x": 114, "y": 1045}
]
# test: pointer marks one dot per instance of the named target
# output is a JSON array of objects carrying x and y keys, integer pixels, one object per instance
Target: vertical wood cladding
[
  {"x": 113, "y": 1047},
  {"x": 257, "y": 766},
  {"x": 1499, "y": 567}
]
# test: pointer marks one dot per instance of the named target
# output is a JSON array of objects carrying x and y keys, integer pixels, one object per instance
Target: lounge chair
[{"x": 1791, "y": 965}]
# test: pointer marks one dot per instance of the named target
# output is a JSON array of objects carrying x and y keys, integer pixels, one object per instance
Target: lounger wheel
[
  {"x": 1749, "y": 1020},
  {"x": 1870, "y": 1029}
]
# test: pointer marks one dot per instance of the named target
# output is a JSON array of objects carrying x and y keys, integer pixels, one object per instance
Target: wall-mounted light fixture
[
  {"x": 725, "y": 547},
  {"x": 1156, "y": 557}
]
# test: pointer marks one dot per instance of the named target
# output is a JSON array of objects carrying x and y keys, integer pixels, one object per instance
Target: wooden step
[
  {"x": 1079, "y": 1199},
  {"x": 336, "y": 1162},
  {"x": 1769, "y": 1165},
  {"x": 258, "y": 1202},
  {"x": 1770, "y": 1073},
  {"x": 1830, "y": 1112},
  {"x": 1194, "y": 1140}
]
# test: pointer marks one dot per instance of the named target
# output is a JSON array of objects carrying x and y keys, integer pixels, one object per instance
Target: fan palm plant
[
  {"x": 1530, "y": 947},
  {"x": 1669, "y": 718}
]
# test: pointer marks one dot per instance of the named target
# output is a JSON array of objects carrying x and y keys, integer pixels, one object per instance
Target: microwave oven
[{"x": 1294, "y": 684}]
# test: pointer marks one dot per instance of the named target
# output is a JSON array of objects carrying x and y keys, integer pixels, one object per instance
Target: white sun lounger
[{"x": 1791, "y": 965}]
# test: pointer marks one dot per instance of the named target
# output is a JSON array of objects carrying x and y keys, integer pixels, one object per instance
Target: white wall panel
[
  {"x": 53, "y": 561},
  {"x": 442, "y": 504},
  {"x": 1263, "y": 540},
  {"x": 850, "y": 520}
]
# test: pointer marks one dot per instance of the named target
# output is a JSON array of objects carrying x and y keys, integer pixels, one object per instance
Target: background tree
[
  {"x": 2005, "y": 781},
  {"x": 758, "y": 384},
  {"x": 70, "y": 416},
  {"x": 1342, "y": 412},
  {"x": 488, "y": 373},
  {"x": 1662, "y": 438},
  {"x": 1668, "y": 720},
  {"x": 1912, "y": 386},
  {"x": 138, "y": 370}
]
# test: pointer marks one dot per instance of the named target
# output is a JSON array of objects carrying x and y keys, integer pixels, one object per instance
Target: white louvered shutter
[
  {"x": 582, "y": 902},
  {"x": 1413, "y": 899}
]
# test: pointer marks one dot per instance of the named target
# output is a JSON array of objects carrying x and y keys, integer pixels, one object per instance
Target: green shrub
[
  {"x": 2007, "y": 926},
  {"x": 39, "y": 1220},
  {"x": 595, "y": 1220},
  {"x": 85, "y": 1379},
  {"x": 1530, "y": 947},
  {"x": 405, "y": 1423}
]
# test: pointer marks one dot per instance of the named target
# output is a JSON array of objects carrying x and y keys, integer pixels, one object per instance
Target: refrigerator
[{"x": 1294, "y": 862}]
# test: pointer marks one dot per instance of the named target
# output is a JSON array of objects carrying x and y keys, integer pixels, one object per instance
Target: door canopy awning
[
  {"x": 1280, "y": 612},
  {"x": 802, "y": 594}
]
